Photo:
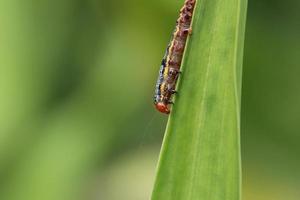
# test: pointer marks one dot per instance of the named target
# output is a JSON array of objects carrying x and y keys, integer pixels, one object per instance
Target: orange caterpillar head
[{"x": 162, "y": 107}]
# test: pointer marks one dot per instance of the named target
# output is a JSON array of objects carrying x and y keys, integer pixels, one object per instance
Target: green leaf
[{"x": 200, "y": 156}]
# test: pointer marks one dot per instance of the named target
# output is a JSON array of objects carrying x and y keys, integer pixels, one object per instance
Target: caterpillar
[{"x": 170, "y": 65}]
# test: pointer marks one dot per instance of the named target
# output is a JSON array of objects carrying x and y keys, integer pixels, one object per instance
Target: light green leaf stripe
[{"x": 200, "y": 156}]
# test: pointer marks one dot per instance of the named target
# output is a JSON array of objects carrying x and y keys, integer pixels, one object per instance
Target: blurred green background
[{"x": 76, "y": 85}]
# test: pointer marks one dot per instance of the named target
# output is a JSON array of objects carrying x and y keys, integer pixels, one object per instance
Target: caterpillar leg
[
  {"x": 188, "y": 31},
  {"x": 171, "y": 102},
  {"x": 174, "y": 91},
  {"x": 174, "y": 71}
]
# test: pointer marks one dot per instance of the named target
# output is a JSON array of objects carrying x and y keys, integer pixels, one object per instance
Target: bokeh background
[{"x": 76, "y": 85}]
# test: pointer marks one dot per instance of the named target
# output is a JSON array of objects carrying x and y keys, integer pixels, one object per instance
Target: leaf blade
[{"x": 200, "y": 157}]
